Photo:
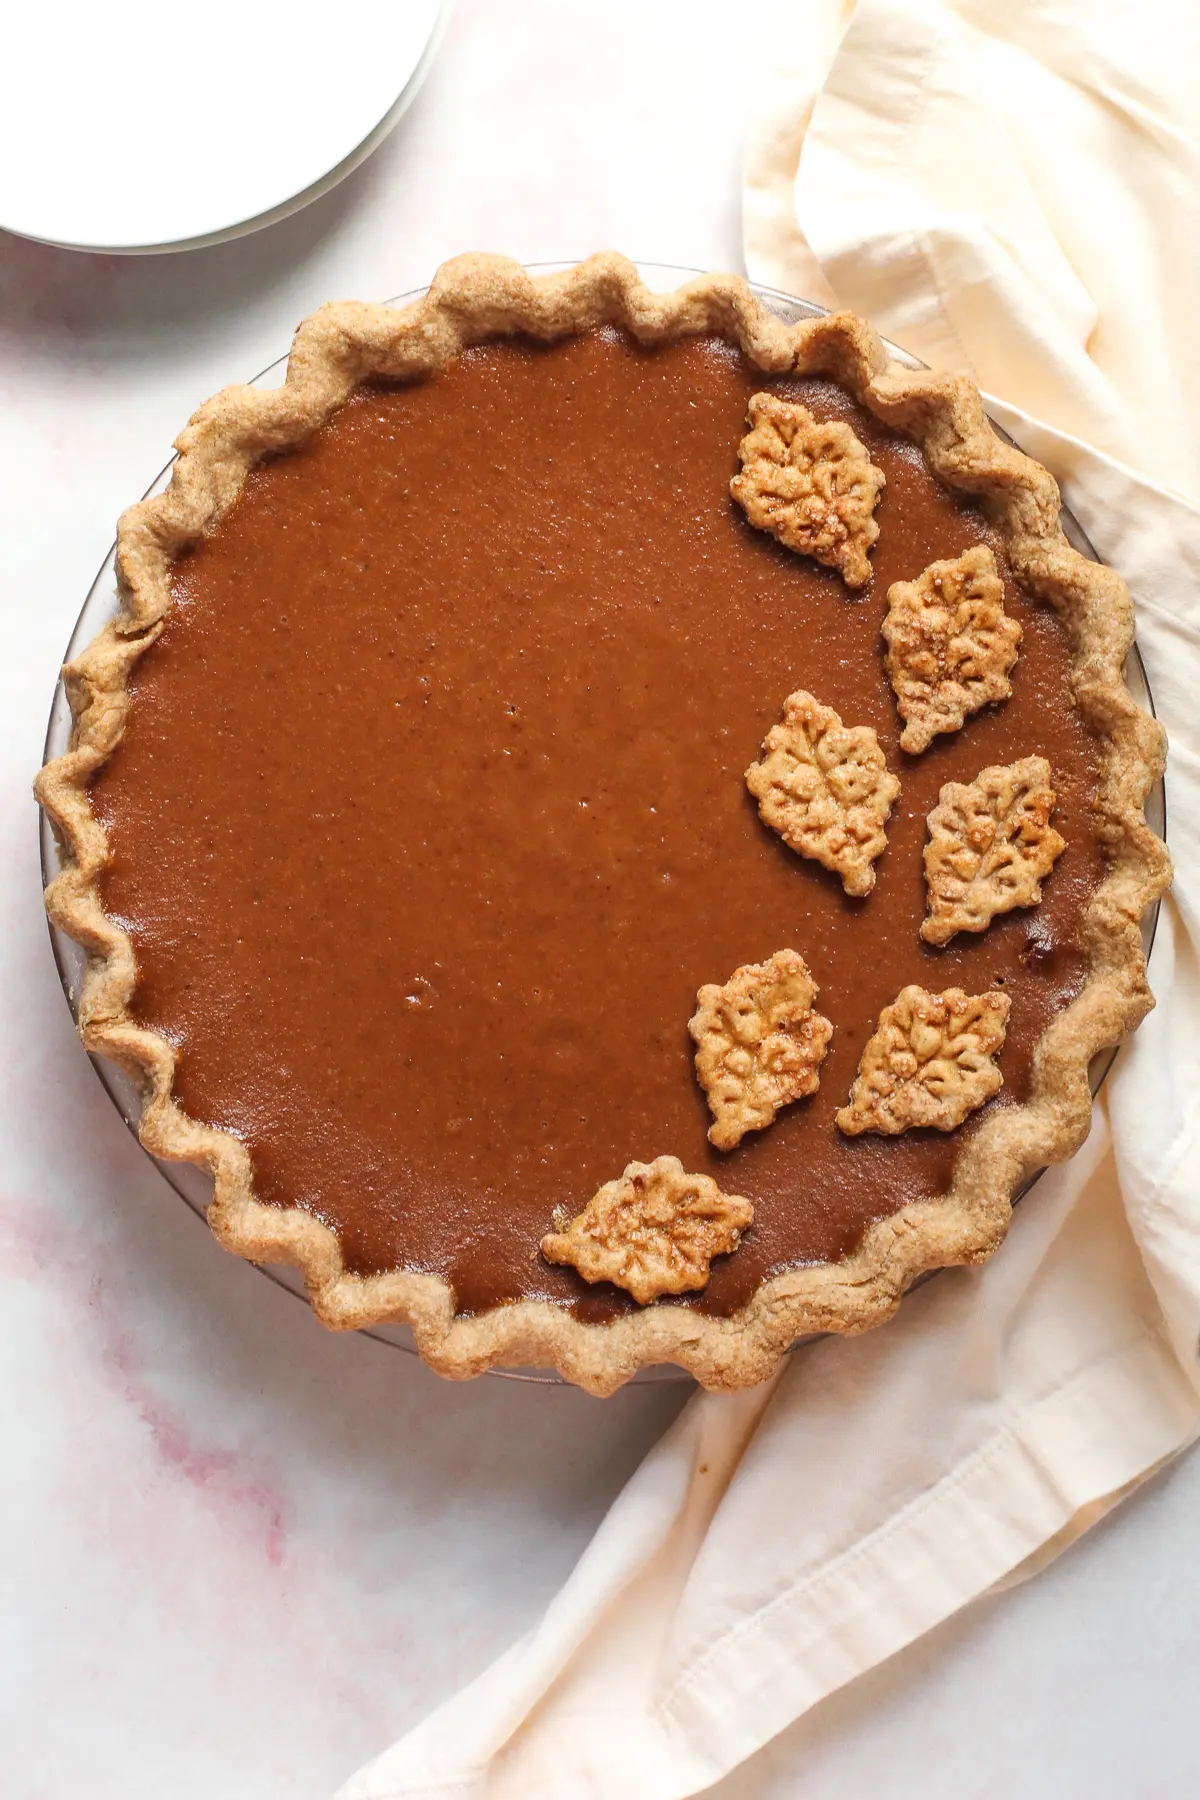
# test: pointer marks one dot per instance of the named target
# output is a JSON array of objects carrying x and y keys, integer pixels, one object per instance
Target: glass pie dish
[{"x": 99, "y": 608}]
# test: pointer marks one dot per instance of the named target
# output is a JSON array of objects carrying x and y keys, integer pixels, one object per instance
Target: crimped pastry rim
[{"x": 474, "y": 299}]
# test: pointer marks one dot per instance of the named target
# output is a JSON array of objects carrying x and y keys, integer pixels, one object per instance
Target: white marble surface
[{"x": 239, "y": 1554}]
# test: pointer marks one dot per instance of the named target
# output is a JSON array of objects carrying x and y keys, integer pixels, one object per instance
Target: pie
[{"x": 509, "y": 690}]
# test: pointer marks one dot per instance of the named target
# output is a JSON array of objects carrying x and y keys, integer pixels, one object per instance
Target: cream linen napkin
[{"x": 1006, "y": 187}]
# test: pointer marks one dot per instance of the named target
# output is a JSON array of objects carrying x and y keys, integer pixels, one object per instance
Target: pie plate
[
  {"x": 73, "y": 164},
  {"x": 102, "y": 603}
]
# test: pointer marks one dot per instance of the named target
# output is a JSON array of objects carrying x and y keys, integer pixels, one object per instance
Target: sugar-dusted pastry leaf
[
  {"x": 826, "y": 789},
  {"x": 653, "y": 1232},
  {"x": 950, "y": 645},
  {"x": 928, "y": 1063},
  {"x": 759, "y": 1044},
  {"x": 811, "y": 484},
  {"x": 991, "y": 845}
]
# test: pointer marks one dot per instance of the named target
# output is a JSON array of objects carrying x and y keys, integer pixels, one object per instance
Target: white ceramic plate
[
  {"x": 99, "y": 148},
  {"x": 101, "y": 605}
]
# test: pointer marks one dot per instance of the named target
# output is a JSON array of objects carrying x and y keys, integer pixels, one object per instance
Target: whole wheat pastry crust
[
  {"x": 826, "y": 789},
  {"x": 760, "y": 1044},
  {"x": 991, "y": 846},
  {"x": 810, "y": 483},
  {"x": 929, "y": 1062},
  {"x": 474, "y": 299},
  {"x": 950, "y": 645},
  {"x": 653, "y": 1231}
]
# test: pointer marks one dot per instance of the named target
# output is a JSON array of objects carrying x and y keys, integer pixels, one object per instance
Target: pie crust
[
  {"x": 826, "y": 789},
  {"x": 760, "y": 1044},
  {"x": 811, "y": 484},
  {"x": 653, "y": 1232},
  {"x": 474, "y": 299},
  {"x": 950, "y": 645},
  {"x": 929, "y": 1062},
  {"x": 991, "y": 846}
]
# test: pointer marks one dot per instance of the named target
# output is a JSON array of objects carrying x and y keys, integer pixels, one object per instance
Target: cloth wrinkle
[{"x": 956, "y": 1477}]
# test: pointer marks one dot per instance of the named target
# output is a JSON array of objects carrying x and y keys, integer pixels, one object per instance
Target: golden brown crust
[
  {"x": 811, "y": 484},
  {"x": 950, "y": 645},
  {"x": 472, "y": 299},
  {"x": 826, "y": 789},
  {"x": 759, "y": 1044},
  {"x": 928, "y": 1063},
  {"x": 654, "y": 1231},
  {"x": 991, "y": 845}
]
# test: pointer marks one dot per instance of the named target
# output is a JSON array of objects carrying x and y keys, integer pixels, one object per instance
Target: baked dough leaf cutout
[
  {"x": 811, "y": 483},
  {"x": 759, "y": 1044},
  {"x": 826, "y": 789},
  {"x": 929, "y": 1062},
  {"x": 991, "y": 845},
  {"x": 653, "y": 1232},
  {"x": 950, "y": 645}
]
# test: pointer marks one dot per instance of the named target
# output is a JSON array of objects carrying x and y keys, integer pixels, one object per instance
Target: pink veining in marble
[{"x": 231, "y": 1479}]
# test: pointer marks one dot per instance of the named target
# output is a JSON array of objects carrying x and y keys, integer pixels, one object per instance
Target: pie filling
[{"x": 429, "y": 819}]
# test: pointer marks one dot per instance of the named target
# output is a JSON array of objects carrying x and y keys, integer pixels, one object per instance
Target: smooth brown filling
[{"x": 429, "y": 819}]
